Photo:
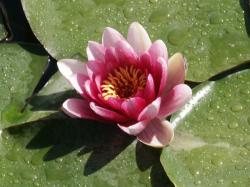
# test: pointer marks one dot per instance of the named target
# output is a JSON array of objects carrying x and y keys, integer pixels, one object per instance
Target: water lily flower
[{"x": 129, "y": 82}]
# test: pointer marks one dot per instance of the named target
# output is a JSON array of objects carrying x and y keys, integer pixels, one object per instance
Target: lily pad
[
  {"x": 211, "y": 34},
  {"x": 76, "y": 153},
  {"x": 212, "y": 142},
  {"x": 21, "y": 67}
]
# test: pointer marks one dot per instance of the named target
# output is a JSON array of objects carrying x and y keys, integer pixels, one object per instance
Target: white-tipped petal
[
  {"x": 134, "y": 129},
  {"x": 95, "y": 51},
  {"x": 138, "y": 38},
  {"x": 176, "y": 71},
  {"x": 157, "y": 133},
  {"x": 110, "y": 37},
  {"x": 68, "y": 67},
  {"x": 78, "y": 108},
  {"x": 150, "y": 111}
]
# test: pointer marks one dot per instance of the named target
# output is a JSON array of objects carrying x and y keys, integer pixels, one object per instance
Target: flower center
[{"x": 123, "y": 82}]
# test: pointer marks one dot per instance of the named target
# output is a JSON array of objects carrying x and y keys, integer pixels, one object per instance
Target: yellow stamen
[{"x": 123, "y": 82}]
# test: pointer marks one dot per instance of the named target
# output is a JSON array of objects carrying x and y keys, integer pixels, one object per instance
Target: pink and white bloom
[{"x": 129, "y": 82}]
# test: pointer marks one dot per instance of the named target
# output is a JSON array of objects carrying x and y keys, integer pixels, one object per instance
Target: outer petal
[
  {"x": 110, "y": 37},
  {"x": 176, "y": 71},
  {"x": 68, "y": 67},
  {"x": 134, "y": 129},
  {"x": 95, "y": 51},
  {"x": 150, "y": 111},
  {"x": 78, "y": 108},
  {"x": 158, "y": 49},
  {"x": 174, "y": 100},
  {"x": 138, "y": 38},
  {"x": 108, "y": 114},
  {"x": 157, "y": 134},
  {"x": 133, "y": 106}
]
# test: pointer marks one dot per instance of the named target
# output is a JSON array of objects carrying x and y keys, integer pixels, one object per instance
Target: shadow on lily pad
[
  {"x": 149, "y": 158},
  {"x": 103, "y": 141},
  {"x": 246, "y": 8},
  {"x": 51, "y": 101}
]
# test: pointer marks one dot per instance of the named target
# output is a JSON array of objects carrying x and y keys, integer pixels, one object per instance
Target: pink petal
[
  {"x": 95, "y": 51},
  {"x": 95, "y": 68},
  {"x": 134, "y": 129},
  {"x": 150, "y": 111},
  {"x": 125, "y": 52},
  {"x": 78, "y": 108},
  {"x": 91, "y": 92},
  {"x": 108, "y": 114},
  {"x": 133, "y": 106},
  {"x": 78, "y": 81},
  {"x": 149, "y": 90},
  {"x": 157, "y": 134},
  {"x": 114, "y": 103},
  {"x": 110, "y": 37},
  {"x": 145, "y": 62},
  {"x": 138, "y": 38},
  {"x": 161, "y": 70},
  {"x": 176, "y": 71},
  {"x": 158, "y": 49},
  {"x": 111, "y": 59},
  {"x": 174, "y": 100},
  {"x": 98, "y": 82},
  {"x": 68, "y": 67}
]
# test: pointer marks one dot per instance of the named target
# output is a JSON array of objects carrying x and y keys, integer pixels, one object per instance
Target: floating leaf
[
  {"x": 76, "y": 153},
  {"x": 211, "y": 34},
  {"x": 20, "y": 66},
  {"x": 212, "y": 142}
]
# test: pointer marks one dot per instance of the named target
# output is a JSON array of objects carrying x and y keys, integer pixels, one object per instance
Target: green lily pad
[
  {"x": 76, "y": 153},
  {"x": 211, "y": 34},
  {"x": 212, "y": 142},
  {"x": 21, "y": 67}
]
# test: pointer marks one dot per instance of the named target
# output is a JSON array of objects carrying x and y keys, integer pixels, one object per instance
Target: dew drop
[
  {"x": 220, "y": 181},
  {"x": 247, "y": 146},
  {"x": 128, "y": 12},
  {"x": 55, "y": 174},
  {"x": 234, "y": 181},
  {"x": 158, "y": 15},
  {"x": 177, "y": 36},
  {"x": 153, "y": 1},
  {"x": 214, "y": 19},
  {"x": 240, "y": 167},
  {"x": 244, "y": 154},
  {"x": 16, "y": 181},
  {"x": 233, "y": 125},
  {"x": 11, "y": 156},
  {"x": 245, "y": 91},
  {"x": 210, "y": 118},
  {"x": 37, "y": 158},
  {"x": 237, "y": 108},
  {"x": 36, "y": 184},
  {"x": 197, "y": 182},
  {"x": 28, "y": 175},
  {"x": 248, "y": 120},
  {"x": 217, "y": 162}
]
